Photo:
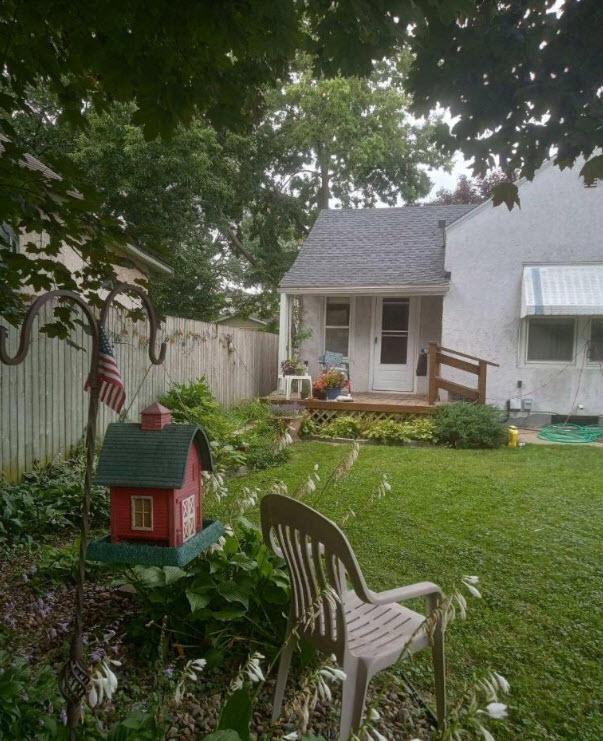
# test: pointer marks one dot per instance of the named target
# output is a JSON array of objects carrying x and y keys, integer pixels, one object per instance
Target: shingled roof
[
  {"x": 374, "y": 247},
  {"x": 140, "y": 458}
]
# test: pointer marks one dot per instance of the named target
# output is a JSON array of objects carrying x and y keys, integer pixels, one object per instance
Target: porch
[
  {"x": 390, "y": 404},
  {"x": 391, "y": 345}
]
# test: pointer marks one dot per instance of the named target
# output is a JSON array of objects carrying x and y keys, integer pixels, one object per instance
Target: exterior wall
[
  {"x": 121, "y": 514},
  {"x": 73, "y": 262},
  {"x": 430, "y": 330},
  {"x": 313, "y": 320},
  {"x": 361, "y": 335},
  {"x": 560, "y": 221}
]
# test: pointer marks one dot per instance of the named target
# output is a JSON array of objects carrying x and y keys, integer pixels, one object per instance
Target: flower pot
[{"x": 332, "y": 394}]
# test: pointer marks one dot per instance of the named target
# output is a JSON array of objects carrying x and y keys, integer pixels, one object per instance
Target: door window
[{"x": 394, "y": 331}]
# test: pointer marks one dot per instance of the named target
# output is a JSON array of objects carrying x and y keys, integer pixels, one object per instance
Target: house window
[
  {"x": 8, "y": 238},
  {"x": 595, "y": 347},
  {"x": 142, "y": 513},
  {"x": 337, "y": 326},
  {"x": 550, "y": 339}
]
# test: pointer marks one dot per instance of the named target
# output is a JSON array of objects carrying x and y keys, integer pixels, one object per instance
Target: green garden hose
[{"x": 571, "y": 433}]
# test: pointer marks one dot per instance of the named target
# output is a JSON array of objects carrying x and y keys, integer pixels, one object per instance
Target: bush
[
  {"x": 28, "y": 700},
  {"x": 342, "y": 426},
  {"x": 47, "y": 501},
  {"x": 391, "y": 431},
  {"x": 222, "y": 602},
  {"x": 195, "y": 403},
  {"x": 463, "y": 425},
  {"x": 244, "y": 435}
]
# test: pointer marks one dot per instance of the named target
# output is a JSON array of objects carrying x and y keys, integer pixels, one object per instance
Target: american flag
[{"x": 112, "y": 389}]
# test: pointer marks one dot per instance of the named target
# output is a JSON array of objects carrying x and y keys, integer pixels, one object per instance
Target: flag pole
[{"x": 74, "y": 678}]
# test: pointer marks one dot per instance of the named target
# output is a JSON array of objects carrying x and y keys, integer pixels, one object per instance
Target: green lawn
[{"x": 528, "y": 522}]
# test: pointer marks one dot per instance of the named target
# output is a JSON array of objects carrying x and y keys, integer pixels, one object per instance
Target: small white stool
[{"x": 287, "y": 383}]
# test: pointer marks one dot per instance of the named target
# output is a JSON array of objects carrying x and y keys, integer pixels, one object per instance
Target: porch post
[{"x": 284, "y": 331}]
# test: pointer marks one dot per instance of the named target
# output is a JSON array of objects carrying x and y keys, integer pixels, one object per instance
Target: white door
[
  {"x": 394, "y": 344},
  {"x": 188, "y": 518}
]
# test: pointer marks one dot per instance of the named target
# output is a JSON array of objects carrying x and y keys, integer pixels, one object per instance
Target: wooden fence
[{"x": 43, "y": 406}]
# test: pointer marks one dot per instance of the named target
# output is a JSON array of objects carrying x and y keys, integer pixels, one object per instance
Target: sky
[{"x": 443, "y": 179}]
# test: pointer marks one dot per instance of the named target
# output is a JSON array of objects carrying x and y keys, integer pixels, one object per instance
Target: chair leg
[
  {"x": 439, "y": 674},
  {"x": 354, "y": 697},
  {"x": 281, "y": 679}
]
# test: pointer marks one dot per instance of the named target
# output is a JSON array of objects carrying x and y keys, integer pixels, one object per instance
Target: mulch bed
[{"x": 37, "y": 619}]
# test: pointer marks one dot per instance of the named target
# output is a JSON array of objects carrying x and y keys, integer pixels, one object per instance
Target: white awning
[{"x": 570, "y": 290}]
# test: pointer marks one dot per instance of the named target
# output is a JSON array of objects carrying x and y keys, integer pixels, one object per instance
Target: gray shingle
[{"x": 374, "y": 247}]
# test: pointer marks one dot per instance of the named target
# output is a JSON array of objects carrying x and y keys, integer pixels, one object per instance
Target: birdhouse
[{"x": 154, "y": 471}]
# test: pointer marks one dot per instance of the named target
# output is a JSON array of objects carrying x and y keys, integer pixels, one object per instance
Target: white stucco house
[{"x": 522, "y": 289}]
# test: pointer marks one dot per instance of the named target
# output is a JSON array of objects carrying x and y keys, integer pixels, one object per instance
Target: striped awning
[{"x": 566, "y": 290}]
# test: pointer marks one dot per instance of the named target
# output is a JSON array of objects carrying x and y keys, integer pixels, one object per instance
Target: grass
[{"x": 528, "y": 522}]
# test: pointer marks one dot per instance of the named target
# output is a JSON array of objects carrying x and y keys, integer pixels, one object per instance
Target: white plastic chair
[{"x": 367, "y": 631}]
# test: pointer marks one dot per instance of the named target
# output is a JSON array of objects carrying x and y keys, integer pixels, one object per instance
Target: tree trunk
[{"x": 323, "y": 163}]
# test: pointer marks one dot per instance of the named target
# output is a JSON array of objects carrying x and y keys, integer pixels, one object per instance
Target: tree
[
  {"x": 175, "y": 62},
  {"x": 470, "y": 190},
  {"x": 348, "y": 139},
  {"x": 524, "y": 80}
]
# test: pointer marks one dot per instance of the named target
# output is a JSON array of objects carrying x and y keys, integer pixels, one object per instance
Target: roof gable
[
  {"x": 131, "y": 456},
  {"x": 374, "y": 246}
]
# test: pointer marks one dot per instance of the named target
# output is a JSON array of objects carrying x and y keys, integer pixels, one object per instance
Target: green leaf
[
  {"x": 234, "y": 593},
  {"x": 197, "y": 600},
  {"x": 173, "y": 574},
  {"x": 231, "y": 613},
  {"x": 592, "y": 170},
  {"x": 236, "y": 713},
  {"x": 506, "y": 193}
]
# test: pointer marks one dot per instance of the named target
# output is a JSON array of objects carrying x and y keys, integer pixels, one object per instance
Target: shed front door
[
  {"x": 394, "y": 344},
  {"x": 188, "y": 518}
]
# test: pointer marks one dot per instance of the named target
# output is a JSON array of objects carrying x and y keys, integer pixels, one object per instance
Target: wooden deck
[{"x": 390, "y": 403}]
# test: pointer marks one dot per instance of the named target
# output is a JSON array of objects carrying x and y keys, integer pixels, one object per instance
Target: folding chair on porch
[{"x": 367, "y": 631}]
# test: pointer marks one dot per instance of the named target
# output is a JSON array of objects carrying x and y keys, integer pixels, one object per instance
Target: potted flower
[
  {"x": 334, "y": 381},
  {"x": 292, "y": 367}
]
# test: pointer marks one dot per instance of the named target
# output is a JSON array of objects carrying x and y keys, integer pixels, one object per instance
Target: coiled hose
[{"x": 570, "y": 433}]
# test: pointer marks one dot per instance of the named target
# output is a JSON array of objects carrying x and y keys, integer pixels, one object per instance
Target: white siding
[
  {"x": 361, "y": 339},
  {"x": 560, "y": 221}
]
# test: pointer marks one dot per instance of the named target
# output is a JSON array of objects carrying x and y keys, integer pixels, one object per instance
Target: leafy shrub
[
  {"x": 47, "y": 501},
  {"x": 28, "y": 700},
  {"x": 195, "y": 403},
  {"x": 244, "y": 435},
  {"x": 342, "y": 426},
  {"x": 464, "y": 425},
  {"x": 222, "y": 602},
  {"x": 308, "y": 427},
  {"x": 391, "y": 431}
]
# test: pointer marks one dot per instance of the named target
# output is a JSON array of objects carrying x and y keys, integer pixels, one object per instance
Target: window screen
[
  {"x": 596, "y": 340},
  {"x": 337, "y": 326},
  {"x": 551, "y": 339}
]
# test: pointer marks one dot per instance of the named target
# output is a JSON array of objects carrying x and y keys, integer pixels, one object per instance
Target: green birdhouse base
[{"x": 155, "y": 555}]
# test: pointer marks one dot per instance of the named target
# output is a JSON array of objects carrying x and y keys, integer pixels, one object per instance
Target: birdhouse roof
[{"x": 154, "y": 459}]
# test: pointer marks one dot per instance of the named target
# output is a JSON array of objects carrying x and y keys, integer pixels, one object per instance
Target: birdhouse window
[{"x": 142, "y": 513}]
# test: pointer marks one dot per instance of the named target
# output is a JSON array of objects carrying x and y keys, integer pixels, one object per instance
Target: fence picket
[{"x": 43, "y": 404}]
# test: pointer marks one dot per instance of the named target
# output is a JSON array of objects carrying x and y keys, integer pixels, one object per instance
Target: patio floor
[{"x": 365, "y": 401}]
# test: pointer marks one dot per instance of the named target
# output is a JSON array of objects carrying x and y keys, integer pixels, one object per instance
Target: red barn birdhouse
[{"x": 154, "y": 473}]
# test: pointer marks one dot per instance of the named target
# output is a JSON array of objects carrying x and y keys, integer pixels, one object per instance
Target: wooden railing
[{"x": 439, "y": 356}]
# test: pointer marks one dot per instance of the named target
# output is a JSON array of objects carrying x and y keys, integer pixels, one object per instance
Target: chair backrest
[{"x": 319, "y": 559}]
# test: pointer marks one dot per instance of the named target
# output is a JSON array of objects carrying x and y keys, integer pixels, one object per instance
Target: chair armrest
[{"x": 420, "y": 589}]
